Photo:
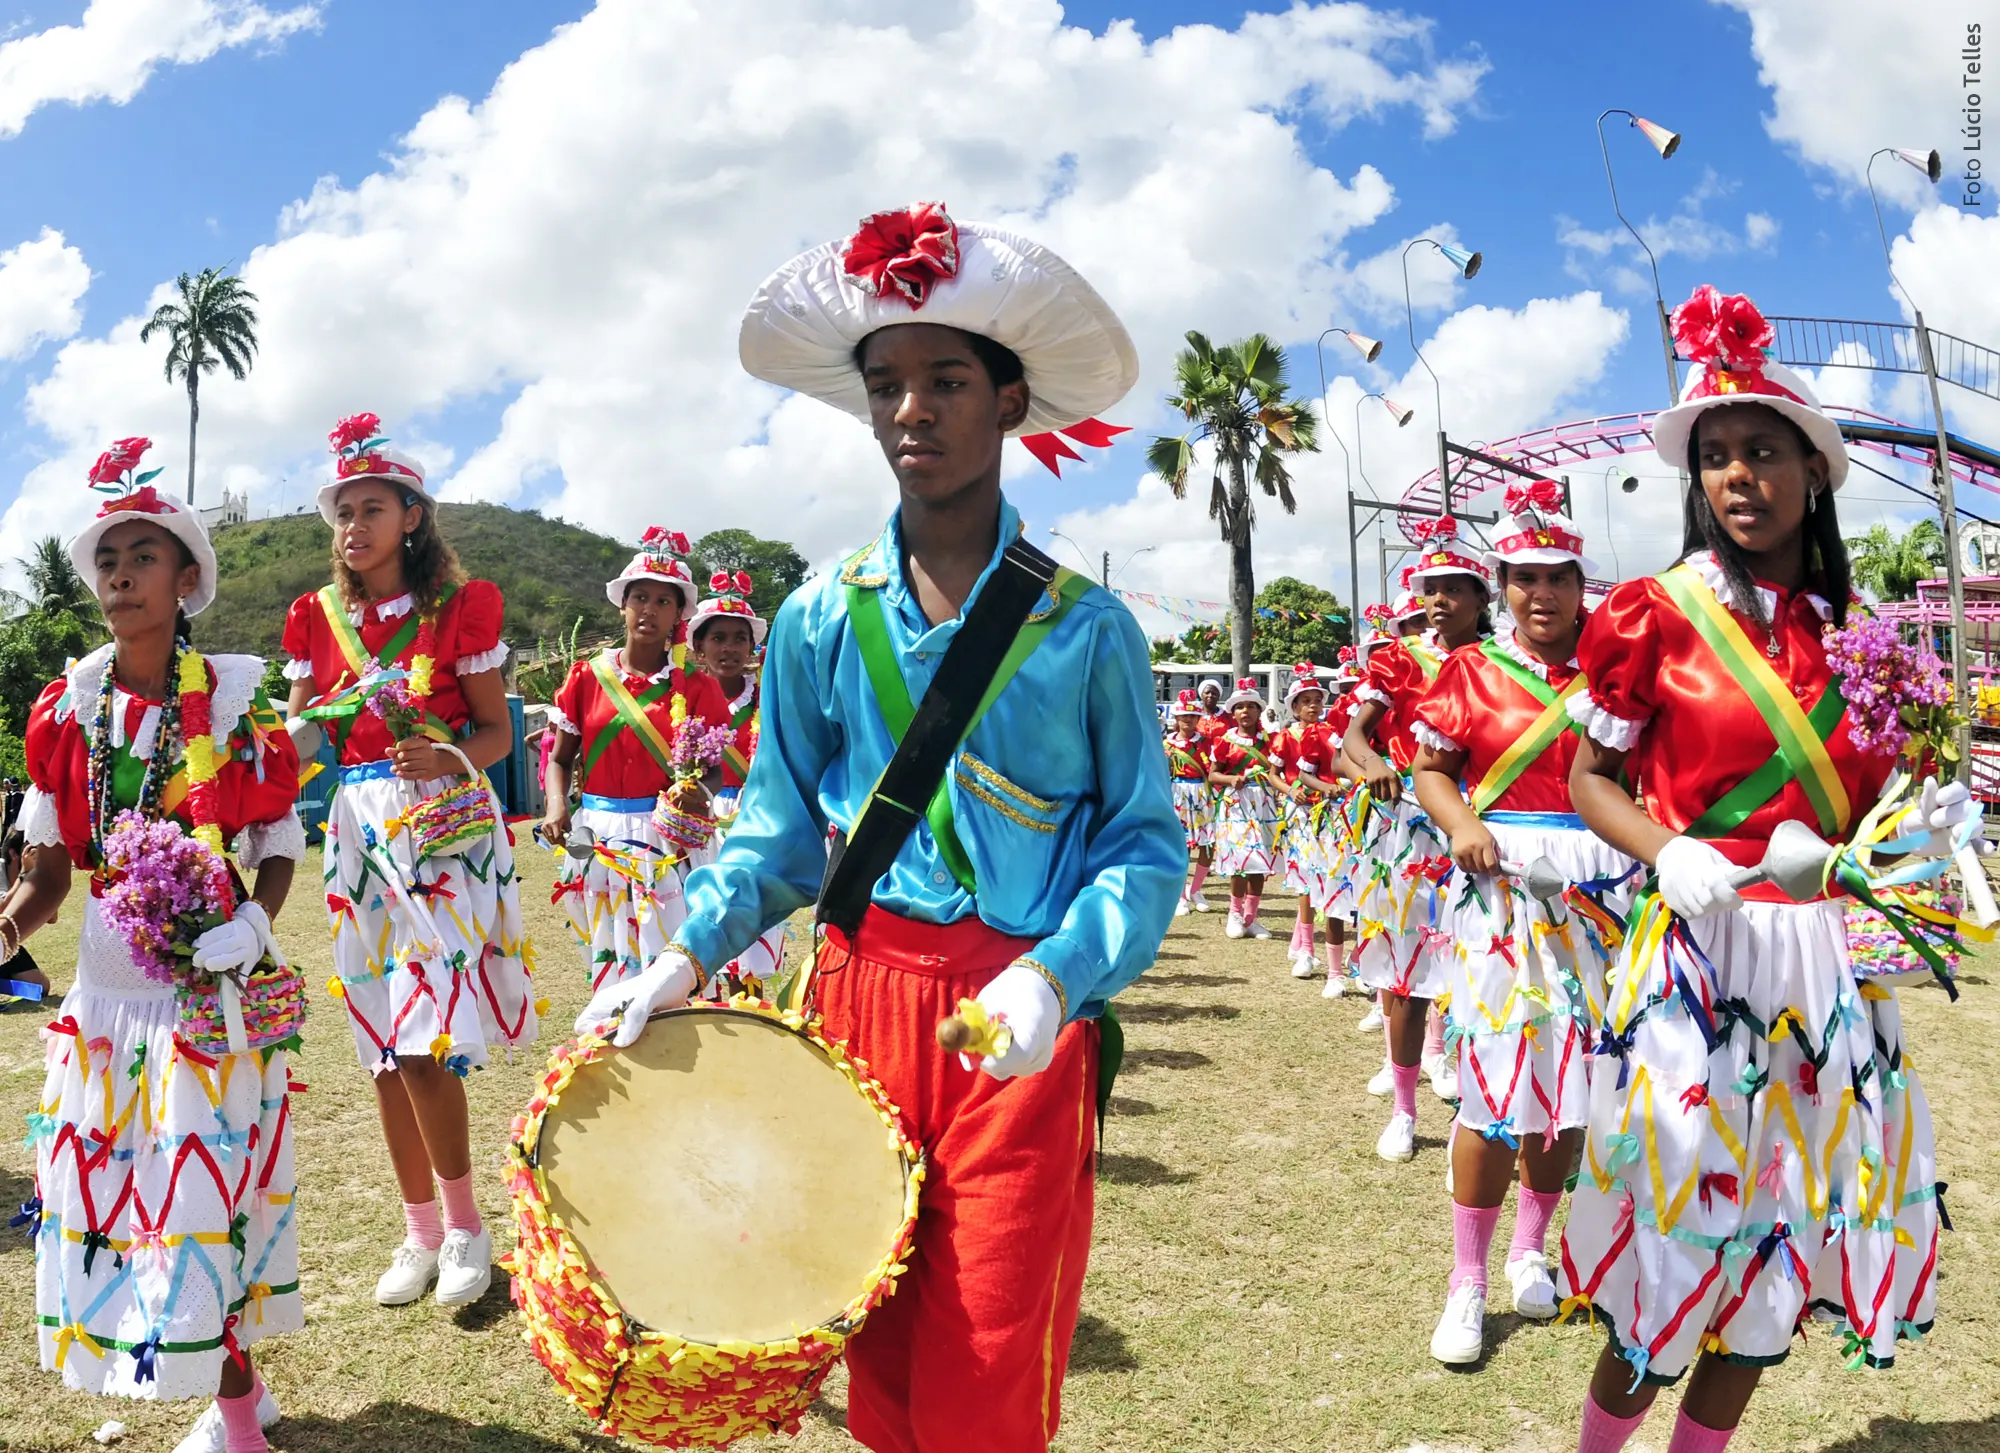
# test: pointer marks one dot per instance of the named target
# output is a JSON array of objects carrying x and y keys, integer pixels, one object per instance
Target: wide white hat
[
  {"x": 1246, "y": 690},
  {"x": 916, "y": 265},
  {"x": 1304, "y": 679},
  {"x": 1440, "y": 553},
  {"x": 1726, "y": 338},
  {"x": 731, "y": 599},
  {"x": 133, "y": 497},
  {"x": 1538, "y": 532},
  {"x": 1349, "y": 668},
  {"x": 1408, "y": 604},
  {"x": 360, "y": 452},
  {"x": 662, "y": 557}
]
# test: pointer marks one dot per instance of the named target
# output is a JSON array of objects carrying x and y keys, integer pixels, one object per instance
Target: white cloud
[
  {"x": 1611, "y": 255},
  {"x": 41, "y": 284},
  {"x": 580, "y": 243},
  {"x": 112, "y": 52},
  {"x": 1760, "y": 231}
]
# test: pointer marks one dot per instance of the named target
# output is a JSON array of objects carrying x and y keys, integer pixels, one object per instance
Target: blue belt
[
  {"x": 594, "y": 803},
  {"x": 367, "y": 772},
  {"x": 1554, "y": 821}
]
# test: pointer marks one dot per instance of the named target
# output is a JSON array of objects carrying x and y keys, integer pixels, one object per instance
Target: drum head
[{"x": 726, "y": 1179}]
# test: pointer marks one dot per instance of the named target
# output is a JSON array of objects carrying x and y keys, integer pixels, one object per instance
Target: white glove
[
  {"x": 1694, "y": 878},
  {"x": 231, "y": 947},
  {"x": 1943, "y": 808},
  {"x": 665, "y": 983},
  {"x": 1021, "y": 999}
]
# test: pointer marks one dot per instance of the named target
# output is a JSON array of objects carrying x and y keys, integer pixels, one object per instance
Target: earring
[{"x": 1812, "y": 500}]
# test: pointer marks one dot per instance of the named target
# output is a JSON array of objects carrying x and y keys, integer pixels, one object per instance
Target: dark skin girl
[
  {"x": 1756, "y": 475},
  {"x": 1187, "y": 733},
  {"x": 940, "y": 420},
  {"x": 652, "y": 612},
  {"x": 1307, "y": 706},
  {"x": 141, "y": 575},
  {"x": 1546, "y": 602},
  {"x": 724, "y": 648},
  {"x": 1249, "y": 717},
  {"x": 421, "y": 1103},
  {"x": 1453, "y": 603}
]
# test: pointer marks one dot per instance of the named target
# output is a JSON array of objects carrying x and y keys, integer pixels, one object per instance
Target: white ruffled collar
[
  {"x": 1513, "y": 650},
  {"x": 618, "y": 662},
  {"x": 1710, "y": 570},
  {"x": 746, "y": 696},
  {"x": 395, "y": 608},
  {"x": 236, "y": 681}
]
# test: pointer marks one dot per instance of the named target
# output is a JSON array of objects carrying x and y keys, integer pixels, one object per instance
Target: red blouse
[
  {"x": 1657, "y": 690},
  {"x": 1306, "y": 748},
  {"x": 258, "y": 781},
  {"x": 627, "y": 769},
  {"x": 1483, "y": 709},
  {"x": 467, "y": 630},
  {"x": 1214, "y": 726},
  {"x": 1198, "y": 747},
  {"x": 746, "y": 731},
  {"x": 1393, "y": 673},
  {"x": 1227, "y": 754}
]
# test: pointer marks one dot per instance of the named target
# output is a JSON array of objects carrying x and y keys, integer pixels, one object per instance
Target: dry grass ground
[{"x": 1260, "y": 1280}]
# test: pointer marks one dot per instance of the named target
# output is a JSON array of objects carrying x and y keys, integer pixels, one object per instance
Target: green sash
[
  {"x": 1427, "y": 663},
  {"x": 1537, "y": 739},
  {"x": 355, "y": 655},
  {"x": 631, "y": 716},
  {"x": 892, "y": 693}
]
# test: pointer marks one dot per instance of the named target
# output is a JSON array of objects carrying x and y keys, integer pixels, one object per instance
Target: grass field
[{"x": 1260, "y": 1281}]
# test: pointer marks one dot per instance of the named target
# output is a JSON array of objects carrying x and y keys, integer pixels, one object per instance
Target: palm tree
[
  {"x": 1235, "y": 396},
  {"x": 1891, "y": 565},
  {"x": 53, "y": 586},
  {"x": 213, "y": 323}
]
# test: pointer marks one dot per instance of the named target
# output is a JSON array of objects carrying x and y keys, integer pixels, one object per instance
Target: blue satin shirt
[{"x": 1060, "y": 792}]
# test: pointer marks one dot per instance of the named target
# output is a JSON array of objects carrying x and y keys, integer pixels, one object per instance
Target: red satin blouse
[
  {"x": 1306, "y": 748},
  {"x": 627, "y": 769},
  {"x": 1196, "y": 746},
  {"x": 1394, "y": 672},
  {"x": 1482, "y": 708}
]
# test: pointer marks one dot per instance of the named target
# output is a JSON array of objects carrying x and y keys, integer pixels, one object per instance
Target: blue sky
[{"x": 200, "y": 165}]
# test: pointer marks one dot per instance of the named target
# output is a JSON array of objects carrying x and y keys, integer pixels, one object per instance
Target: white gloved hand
[
  {"x": 231, "y": 947},
  {"x": 1694, "y": 878},
  {"x": 1021, "y": 999},
  {"x": 1943, "y": 808},
  {"x": 666, "y": 983}
]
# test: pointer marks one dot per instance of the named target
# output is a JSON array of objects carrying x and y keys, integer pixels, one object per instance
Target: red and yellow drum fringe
[{"x": 648, "y": 1385}]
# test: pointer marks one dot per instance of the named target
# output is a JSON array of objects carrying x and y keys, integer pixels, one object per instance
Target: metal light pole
[
  {"x": 1467, "y": 264},
  {"x": 1402, "y": 415},
  {"x": 1666, "y": 143},
  {"x": 1370, "y": 349},
  {"x": 1932, "y": 166}
]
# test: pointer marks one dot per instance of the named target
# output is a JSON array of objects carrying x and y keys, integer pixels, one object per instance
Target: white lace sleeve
[
  {"x": 298, "y": 670},
  {"x": 1365, "y": 692},
  {"x": 483, "y": 661},
  {"x": 285, "y": 838},
  {"x": 562, "y": 723},
  {"x": 1618, "y": 733},
  {"x": 37, "y": 822},
  {"x": 1431, "y": 737}
]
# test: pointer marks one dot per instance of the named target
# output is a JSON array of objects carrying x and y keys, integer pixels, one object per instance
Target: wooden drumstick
[
  {"x": 955, "y": 1035},
  {"x": 971, "y": 1032}
]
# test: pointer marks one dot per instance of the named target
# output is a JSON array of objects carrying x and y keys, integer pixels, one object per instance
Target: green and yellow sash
[
  {"x": 1427, "y": 661},
  {"x": 340, "y": 706},
  {"x": 1540, "y": 735},
  {"x": 630, "y": 715}
]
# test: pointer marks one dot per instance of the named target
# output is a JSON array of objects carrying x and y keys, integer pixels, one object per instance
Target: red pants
[{"x": 968, "y": 1355}]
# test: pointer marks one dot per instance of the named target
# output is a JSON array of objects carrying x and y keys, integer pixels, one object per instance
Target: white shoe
[
  {"x": 209, "y": 1436},
  {"x": 410, "y": 1274},
  {"x": 1399, "y": 1138},
  {"x": 1384, "y": 1081},
  {"x": 1371, "y": 1021},
  {"x": 1461, "y": 1332},
  {"x": 1303, "y": 966},
  {"x": 1233, "y": 928},
  {"x": 1336, "y": 986},
  {"x": 1534, "y": 1289},
  {"x": 1255, "y": 929},
  {"x": 1444, "y": 1077},
  {"x": 1181, "y": 909},
  {"x": 1201, "y": 904},
  {"x": 465, "y": 1267}
]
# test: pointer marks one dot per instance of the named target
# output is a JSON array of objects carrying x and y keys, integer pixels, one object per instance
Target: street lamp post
[
  {"x": 1467, "y": 264},
  {"x": 1625, "y": 486},
  {"x": 1402, "y": 416},
  {"x": 1666, "y": 143},
  {"x": 1370, "y": 349}
]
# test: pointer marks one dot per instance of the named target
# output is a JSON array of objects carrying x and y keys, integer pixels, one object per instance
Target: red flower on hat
[
  {"x": 144, "y": 500},
  {"x": 1543, "y": 494},
  {"x": 114, "y": 471},
  {"x": 1714, "y": 329},
  {"x": 1246, "y": 683},
  {"x": 908, "y": 251},
  {"x": 352, "y": 432},
  {"x": 1346, "y": 655},
  {"x": 1441, "y": 531},
  {"x": 664, "y": 542},
  {"x": 1376, "y": 615}
]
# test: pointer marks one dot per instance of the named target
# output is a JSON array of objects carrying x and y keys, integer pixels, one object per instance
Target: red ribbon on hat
[
  {"x": 1052, "y": 450},
  {"x": 904, "y": 253},
  {"x": 145, "y": 501},
  {"x": 1542, "y": 539}
]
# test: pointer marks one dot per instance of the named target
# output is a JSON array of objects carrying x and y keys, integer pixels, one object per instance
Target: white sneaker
[
  {"x": 465, "y": 1267},
  {"x": 410, "y": 1274},
  {"x": 1444, "y": 1077},
  {"x": 1461, "y": 1332},
  {"x": 1384, "y": 1081},
  {"x": 1399, "y": 1138},
  {"x": 1202, "y": 905},
  {"x": 1336, "y": 986},
  {"x": 1233, "y": 928},
  {"x": 1371, "y": 1021},
  {"x": 1181, "y": 909},
  {"x": 1534, "y": 1289},
  {"x": 1255, "y": 929},
  {"x": 1303, "y": 966},
  {"x": 209, "y": 1436}
]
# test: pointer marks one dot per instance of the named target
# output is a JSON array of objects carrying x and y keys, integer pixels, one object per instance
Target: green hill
[{"x": 550, "y": 572}]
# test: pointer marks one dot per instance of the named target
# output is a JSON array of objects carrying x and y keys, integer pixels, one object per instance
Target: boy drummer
[{"x": 1047, "y": 879}]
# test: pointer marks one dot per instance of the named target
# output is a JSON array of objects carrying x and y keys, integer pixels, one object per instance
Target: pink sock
[
  {"x": 1692, "y": 1437},
  {"x": 1471, "y": 1240},
  {"x": 1250, "y": 902},
  {"x": 1306, "y": 938},
  {"x": 1433, "y": 1034},
  {"x": 422, "y": 1226},
  {"x": 1603, "y": 1432},
  {"x": 1298, "y": 932},
  {"x": 239, "y": 1424},
  {"x": 1336, "y": 959},
  {"x": 1200, "y": 877},
  {"x": 1236, "y": 904},
  {"x": 1405, "y": 1077},
  {"x": 460, "y": 1214},
  {"x": 1531, "y": 1222}
]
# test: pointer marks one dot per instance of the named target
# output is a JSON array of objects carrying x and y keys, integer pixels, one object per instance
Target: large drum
[{"x": 704, "y": 1219}]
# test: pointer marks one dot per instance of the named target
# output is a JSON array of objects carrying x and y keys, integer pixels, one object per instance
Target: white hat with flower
[
  {"x": 1349, "y": 669},
  {"x": 1188, "y": 703},
  {"x": 1246, "y": 690},
  {"x": 132, "y": 497},
  {"x": 662, "y": 557},
  {"x": 917, "y": 265},
  {"x": 1408, "y": 604},
  {"x": 1304, "y": 678},
  {"x": 1536, "y": 531},
  {"x": 1440, "y": 553},
  {"x": 1725, "y": 337},
  {"x": 360, "y": 451},
  {"x": 731, "y": 599}
]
